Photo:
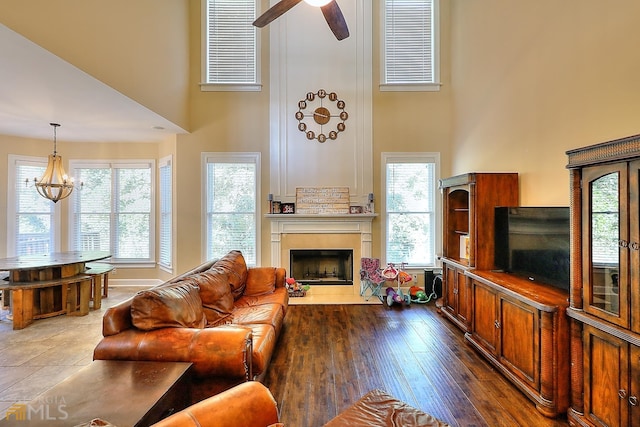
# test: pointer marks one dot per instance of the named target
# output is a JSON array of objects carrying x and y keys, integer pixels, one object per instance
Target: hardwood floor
[{"x": 328, "y": 356}]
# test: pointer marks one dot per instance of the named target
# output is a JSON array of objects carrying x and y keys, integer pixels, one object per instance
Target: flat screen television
[{"x": 533, "y": 242}]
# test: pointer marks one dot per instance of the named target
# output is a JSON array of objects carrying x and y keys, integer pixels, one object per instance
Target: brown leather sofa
[{"x": 221, "y": 316}]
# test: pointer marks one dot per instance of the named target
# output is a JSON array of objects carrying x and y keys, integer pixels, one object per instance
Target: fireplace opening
[{"x": 322, "y": 266}]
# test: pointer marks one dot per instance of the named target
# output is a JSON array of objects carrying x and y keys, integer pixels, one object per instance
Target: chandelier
[{"x": 55, "y": 184}]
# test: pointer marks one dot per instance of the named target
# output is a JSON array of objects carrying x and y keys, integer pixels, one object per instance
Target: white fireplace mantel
[{"x": 319, "y": 224}]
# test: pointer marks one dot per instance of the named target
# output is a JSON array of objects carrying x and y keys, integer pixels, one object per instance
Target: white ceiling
[{"x": 37, "y": 88}]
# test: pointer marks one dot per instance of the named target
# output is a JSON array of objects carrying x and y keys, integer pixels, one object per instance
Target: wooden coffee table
[{"x": 122, "y": 392}]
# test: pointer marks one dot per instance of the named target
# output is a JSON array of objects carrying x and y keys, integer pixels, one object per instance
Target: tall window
[
  {"x": 166, "y": 213},
  {"x": 31, "y": 227},
  {"x": 410, "y": 207},
  {"x": 231, "y": 203},
  {"x": 231, "y": 56},
  {"x": 114, "y": 210},
  {"x": 409, "y": 45}
]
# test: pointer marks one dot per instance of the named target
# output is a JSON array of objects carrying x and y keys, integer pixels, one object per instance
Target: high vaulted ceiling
[{"x": 37, "y": 88}]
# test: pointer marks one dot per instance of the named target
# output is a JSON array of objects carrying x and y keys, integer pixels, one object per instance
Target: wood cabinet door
[
  {"x": 605, "y": 250},
  {"x": 485, "y": 316},
  {"x": 634, "y": 245},
  {"x": 520, "y": 340},
  {"x": 606, "y": 374},
  {"x": 463, "y": 304},
  {"x": 449, "y": 288},
  {"x": 634, "y": 394}
]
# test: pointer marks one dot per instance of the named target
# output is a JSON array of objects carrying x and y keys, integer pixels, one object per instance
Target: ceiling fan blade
[
  {"x": 274, "y": 12},
  {"x": 335, "y": 19}
]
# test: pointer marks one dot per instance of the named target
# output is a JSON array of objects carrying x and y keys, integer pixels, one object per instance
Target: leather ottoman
[{"x": 378, "y": 408}]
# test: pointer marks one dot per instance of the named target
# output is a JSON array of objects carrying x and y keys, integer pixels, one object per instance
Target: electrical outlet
[{"x": 415, "y": 277}]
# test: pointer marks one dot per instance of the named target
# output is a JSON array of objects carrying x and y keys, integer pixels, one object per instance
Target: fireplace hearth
[{"x": 322, "y": 266}]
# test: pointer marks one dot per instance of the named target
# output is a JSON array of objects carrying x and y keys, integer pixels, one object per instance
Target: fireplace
[{"x": 322, "y": 266}]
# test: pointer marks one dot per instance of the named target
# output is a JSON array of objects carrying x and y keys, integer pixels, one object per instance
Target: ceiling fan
[{"x": 330, "y": 9}]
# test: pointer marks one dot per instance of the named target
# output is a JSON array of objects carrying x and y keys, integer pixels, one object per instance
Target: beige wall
[
  {"x": 534, "y": 79},
  {"x": 522, "y": 83}
]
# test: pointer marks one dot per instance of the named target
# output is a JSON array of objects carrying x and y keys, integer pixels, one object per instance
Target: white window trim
[
  {"x": 167, "y": 161},
  {"x": 151, "y": 163},
  {"x": 219, "y": 87},
  {"x": 11, "y": 203},
  {"x": 230, "y": 157},
  {"x": 418, "y": 87},
  {"x": 411, "y": 157}
]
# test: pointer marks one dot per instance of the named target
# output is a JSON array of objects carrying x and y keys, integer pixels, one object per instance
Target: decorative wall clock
[{"x": 323, "y": 107}]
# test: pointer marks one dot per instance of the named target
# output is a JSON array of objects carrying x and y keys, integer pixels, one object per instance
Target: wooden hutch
[
  {"x": 468, "y": 202},
  {"x": 605, "y": 284}
]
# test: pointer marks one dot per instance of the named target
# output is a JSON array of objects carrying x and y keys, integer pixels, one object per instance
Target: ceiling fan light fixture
[{"x": 318, "y": 3}]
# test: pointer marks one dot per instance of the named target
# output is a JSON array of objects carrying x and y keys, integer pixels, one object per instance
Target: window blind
[
  {"x": 408, "y": 42},
  {"x": 410, "y": 212},
  {"x": 166, "y": 214},
  {"x": 231, "y": 42},
  {"x": 34, "y": 215},
  {"x": 231, "y": 208}
]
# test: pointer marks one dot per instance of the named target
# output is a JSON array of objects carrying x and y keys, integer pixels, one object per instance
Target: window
[
  {"x": 410, "y": 207},
  {"x": 32, "y": 218},
  {"x": 230, "y": 200},
  {"x": 166, "y": 214},
  {"x": 114, "y": 211},
  {"x": 409, "y": 45},
  {"x": 231, "y": 56}
]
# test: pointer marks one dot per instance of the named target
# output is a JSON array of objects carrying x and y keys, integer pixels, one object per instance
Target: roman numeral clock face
[{"x": 321, "y": 109}]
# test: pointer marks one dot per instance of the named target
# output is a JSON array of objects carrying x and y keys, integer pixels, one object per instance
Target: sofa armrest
[
  {"x": 117, "y": 318},
  {"x": 247, "y": 405},
  {"x": 223, "y": 351}
]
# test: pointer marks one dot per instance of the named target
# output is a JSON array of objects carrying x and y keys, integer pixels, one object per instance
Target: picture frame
[
  {"x": 355, "y": 209},
  {"x": 288, "y": 208}
]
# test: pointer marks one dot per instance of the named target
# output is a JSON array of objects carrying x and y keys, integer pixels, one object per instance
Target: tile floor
[{"x": 35, "y": 358}]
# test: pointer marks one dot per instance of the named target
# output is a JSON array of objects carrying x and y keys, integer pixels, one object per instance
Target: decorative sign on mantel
[{"x": 322, "y": 200}]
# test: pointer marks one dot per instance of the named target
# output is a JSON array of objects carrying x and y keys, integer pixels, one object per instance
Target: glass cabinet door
[{"x": 605, "y": 265}]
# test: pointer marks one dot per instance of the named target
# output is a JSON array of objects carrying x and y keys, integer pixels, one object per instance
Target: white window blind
[
  {"x": 166, "y": 214},
  {"x": 231, "y": 42},
  {"x": 33, "y": 215},
  {"x": 113, "y": 211},
  {"x": 410, "y": 189},
  {"x": 409, "y": 42},
  {"x": 231, "y": 205}
]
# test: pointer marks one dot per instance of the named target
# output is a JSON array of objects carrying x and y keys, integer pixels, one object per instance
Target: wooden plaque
[{"x": 322, "y": 200}]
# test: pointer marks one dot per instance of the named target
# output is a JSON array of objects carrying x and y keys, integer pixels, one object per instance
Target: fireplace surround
[{"x": 315, "y": 232}]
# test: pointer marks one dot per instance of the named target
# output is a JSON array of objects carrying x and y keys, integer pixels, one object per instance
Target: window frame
[
  {"x": 206, "y": 85},
  {"x": 12, "y": 211},
  {"x": 231, "y": 157},
  {"x": 150, "y": 164},
  {"x": 434, "y": 86},
  {"x": 165, "y": 162},
  {"x": 413, "y": 157}
]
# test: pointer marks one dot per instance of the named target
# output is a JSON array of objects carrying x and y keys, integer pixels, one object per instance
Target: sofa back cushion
[
  {"x": 215, "y": 292},
  {"x": 260, "y": 281},
  {"x": 235, "y": 266},
  {"x": 174, "y": 306}
]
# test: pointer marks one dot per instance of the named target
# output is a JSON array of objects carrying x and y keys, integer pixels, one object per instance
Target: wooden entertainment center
[{"x": 518, "y": 325}]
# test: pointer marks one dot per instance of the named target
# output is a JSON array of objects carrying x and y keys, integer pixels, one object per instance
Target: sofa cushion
[
  {"x": 235, "y": 266},
  {"x": 215, "y": 292},
  {"x": 268, "y": 314},
  {"x": 260, "y": 281},
  {"x": 174, "y": 306}
]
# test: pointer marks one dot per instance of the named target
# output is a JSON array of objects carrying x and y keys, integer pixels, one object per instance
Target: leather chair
[{"x": 249, "y": 404}]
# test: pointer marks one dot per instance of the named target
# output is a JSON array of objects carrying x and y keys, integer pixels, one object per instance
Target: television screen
[{"x": 533, "y": 242}]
